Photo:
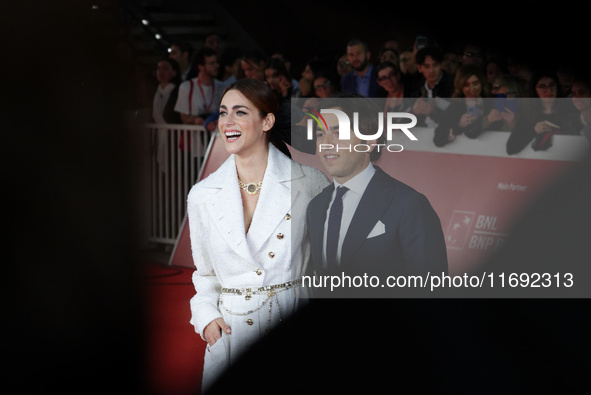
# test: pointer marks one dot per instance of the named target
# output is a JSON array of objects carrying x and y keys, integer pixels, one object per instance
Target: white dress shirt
[
  {"x": 356, "y": 186},
  {"x": 203, "y": 101}
]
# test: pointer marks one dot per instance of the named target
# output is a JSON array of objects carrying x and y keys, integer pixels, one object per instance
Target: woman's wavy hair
[{"x": 466, "y": 71}]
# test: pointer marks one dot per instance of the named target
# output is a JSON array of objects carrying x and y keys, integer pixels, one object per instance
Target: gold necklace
[{"x": 252, "y": 187}]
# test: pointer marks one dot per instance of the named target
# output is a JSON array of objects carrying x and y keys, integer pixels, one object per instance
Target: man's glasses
[
  {"x": 543, "y": 87},
  {"x": 386, "y": 77}
]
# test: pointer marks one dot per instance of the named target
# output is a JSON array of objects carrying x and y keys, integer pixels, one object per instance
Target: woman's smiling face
[
  {"x": 241, "y": 125},
  {"x": 472, "y": 87}
]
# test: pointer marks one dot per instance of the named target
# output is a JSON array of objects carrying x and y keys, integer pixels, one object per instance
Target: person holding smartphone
[
  {"x": 508, "y": 92},
  {"x": 542, "y": 117},
  {"x": 466, "y": 112}
]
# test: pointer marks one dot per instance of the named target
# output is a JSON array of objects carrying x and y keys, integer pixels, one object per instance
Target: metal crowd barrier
[{"x": 177, "y": 153}]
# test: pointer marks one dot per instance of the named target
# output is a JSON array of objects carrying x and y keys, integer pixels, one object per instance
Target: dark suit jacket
[
  {"x": 349, "y": 85},
  {"x": 443, "y": 89},
  {"x": 413, "y": 241}
]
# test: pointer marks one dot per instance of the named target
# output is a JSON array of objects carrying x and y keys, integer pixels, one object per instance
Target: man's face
[
  {"x": 431, "y": 69},
  {"x": 405, "y": 58},
  {"x": 358, "y": 57},
  {"x": 176, "y": 54},
  {"x": 342, "y": 163},
  {"x": 211, "y": 65},
  {"x": 471, "y": 55}
]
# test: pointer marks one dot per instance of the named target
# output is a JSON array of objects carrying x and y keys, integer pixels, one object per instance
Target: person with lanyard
[{"x": 199, "y": 97}]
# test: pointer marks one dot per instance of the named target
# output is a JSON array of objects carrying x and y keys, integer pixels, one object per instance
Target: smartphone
[
  {"x": 475, "y": 111},
  {"x": 421, "y": 42},
  {"x": 502, "y": 102},
  {"x": 553, "y": 125}
]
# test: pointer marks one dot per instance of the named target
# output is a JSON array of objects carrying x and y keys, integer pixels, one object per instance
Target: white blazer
[{"x": 276, "y": 248}]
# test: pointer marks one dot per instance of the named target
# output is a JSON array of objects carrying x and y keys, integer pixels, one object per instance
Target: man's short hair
[
  {"x": 202, "y": 54},
  {"x": 368, "y": 113},
  {"x": 435, "y": 53},
  {"x": 184, "y": 46},
  {"x": 356, "y": 41}
]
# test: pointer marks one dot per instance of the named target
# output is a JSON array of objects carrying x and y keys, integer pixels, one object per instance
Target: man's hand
[{"x": 423, "y": 106}]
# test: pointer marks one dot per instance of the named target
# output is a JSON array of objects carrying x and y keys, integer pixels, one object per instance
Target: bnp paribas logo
[{"x": 344, "y": 127}]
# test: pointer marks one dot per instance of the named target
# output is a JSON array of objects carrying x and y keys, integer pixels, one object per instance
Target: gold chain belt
[
  {"x": 266, "y": 290},
  {"x": 270, "y": 291}
]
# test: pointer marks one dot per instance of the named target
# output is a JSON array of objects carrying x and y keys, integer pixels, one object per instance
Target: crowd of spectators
[{"x": 457, "y": 93}]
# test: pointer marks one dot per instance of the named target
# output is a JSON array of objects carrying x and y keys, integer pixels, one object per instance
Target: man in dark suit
[
  {"x": 386, "y": 228},
  {"x": 363, "y": 79}
]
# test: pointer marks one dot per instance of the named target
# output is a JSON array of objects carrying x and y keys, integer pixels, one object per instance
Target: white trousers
[{"x": 250, "y": 319}]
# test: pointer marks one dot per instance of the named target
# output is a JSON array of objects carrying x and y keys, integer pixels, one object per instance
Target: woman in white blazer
[{"x": 247, "y": 228}]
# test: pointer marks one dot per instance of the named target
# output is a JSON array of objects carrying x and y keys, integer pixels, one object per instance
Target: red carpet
[{"x": 175, "y": 351}]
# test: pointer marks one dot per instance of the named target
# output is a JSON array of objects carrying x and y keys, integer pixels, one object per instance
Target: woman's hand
[
  {"x": 466, "y": 120},
  {"x": 213, "y": 330},
  {"x": 494, "y": 115},
  {"x": 509, "y": 117},
  {"x": 542, "y": 127}
]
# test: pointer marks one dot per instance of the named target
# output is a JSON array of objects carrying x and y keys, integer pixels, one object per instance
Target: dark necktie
[{"x": 334, "y": 227}]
